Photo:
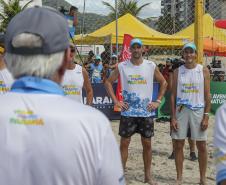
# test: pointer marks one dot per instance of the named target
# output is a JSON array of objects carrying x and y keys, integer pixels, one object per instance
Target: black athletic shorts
[{"x": 131, "y": 125}]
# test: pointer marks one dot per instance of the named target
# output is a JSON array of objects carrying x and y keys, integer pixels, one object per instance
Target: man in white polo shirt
[{"x": 46, "y": 138}]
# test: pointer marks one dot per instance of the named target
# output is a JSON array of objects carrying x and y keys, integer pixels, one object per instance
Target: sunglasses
[{"x": 72, "y": 50}]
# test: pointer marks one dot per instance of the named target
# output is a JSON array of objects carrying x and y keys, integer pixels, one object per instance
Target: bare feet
[
  {"x": 150, "y": 181},
  {"x": 202, "y": 182},
  {"x": 178, "y": 182}
]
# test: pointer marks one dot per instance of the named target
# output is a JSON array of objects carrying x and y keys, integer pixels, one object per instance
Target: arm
[
  {"x": 173, "y": 100},
  {"x": 170, "y": 84},
  {"x": 87, "y": 86},
  {"x": 108, "y": 85},
  {"x": 162, "y": 82},
  {"x": 163, "y": 85},
  {"x": 75, "y": 21},
  {"x": 207, "y": 97}
]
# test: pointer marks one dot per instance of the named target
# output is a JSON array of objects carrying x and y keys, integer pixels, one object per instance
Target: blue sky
[{"x": 96, "y": 6}]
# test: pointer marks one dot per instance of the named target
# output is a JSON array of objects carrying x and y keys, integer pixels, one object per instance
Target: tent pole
[{"x": 199, "y": 9}]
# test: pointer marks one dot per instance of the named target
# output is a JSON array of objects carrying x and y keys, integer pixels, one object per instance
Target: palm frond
[{"x": 25, "y": 6}]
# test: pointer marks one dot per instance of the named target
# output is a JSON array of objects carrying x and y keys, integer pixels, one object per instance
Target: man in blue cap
[
  {"x": 46, "y": 138},
  {"x": 97, "y": 70},
  {"x": 138, "y": 108},
  {"x": 190, "y": 106}
]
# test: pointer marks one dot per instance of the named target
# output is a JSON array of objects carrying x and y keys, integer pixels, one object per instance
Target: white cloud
[{"x": 153, "y": 9}]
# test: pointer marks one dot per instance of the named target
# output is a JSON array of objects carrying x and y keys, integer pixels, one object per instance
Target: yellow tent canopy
[
  {"x": 209, "y": 31},
  {"x": 128, "y": 24}
]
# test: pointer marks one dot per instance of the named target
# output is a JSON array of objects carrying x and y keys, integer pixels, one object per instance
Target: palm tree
[
  {"x": 124, "y": 7},
  {"x": 9, "y": 10}
]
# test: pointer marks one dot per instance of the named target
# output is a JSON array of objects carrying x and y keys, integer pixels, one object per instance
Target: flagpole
[{"x": 116, "y": 31}]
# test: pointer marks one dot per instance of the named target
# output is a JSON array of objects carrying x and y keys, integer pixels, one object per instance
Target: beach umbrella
[{"x": 220, "y": 23}]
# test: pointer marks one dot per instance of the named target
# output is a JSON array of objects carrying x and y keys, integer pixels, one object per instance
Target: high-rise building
[{"x": 183, "y": 11}]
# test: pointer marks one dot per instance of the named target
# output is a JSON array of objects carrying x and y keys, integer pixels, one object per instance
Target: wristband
[
  {"x": 206, "y": 113},
  {"x": 159, "y": 101}
]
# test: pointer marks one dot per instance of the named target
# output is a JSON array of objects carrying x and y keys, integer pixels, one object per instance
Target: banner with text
[
  {"x": 104, "y": 103},
  {"x": 218, "y": 95}
]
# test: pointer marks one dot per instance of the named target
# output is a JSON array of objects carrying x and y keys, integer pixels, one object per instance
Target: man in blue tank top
[{"x": 190, "y": 106}]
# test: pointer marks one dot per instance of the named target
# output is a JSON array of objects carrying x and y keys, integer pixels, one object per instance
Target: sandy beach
[{"x": 164, "y": 170}]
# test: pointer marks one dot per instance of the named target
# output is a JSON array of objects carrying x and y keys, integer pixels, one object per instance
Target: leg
[
  {"x": 124, "y": 145},
  {"x": 191, "y": 144},
  {"x": 179, "y": 159},
  {"x": 192, "y": 149},
  {"x": 126, "y": 130},
  {"x": 147, "y": 157},
  {"x": 202, "y": 157},
  {"x": 172, "y": 156}
]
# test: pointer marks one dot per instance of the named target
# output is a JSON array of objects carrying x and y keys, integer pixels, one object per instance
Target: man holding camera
[{"x": 72, "y": 20}]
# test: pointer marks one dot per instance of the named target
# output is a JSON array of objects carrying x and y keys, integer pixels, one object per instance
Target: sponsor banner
[
  {"x": 104, "y": 103},
  {"x": 218, "y": 95}
]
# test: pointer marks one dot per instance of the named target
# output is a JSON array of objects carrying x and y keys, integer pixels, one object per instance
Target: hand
[
  {"x": 152, "y": 106},
  {"x": 174, "y": 124},
  {"x": 122, "y": 105},
  {"x": 204, "y": 123}
]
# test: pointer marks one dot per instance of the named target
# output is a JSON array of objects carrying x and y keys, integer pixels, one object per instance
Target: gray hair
[{"x": 43, "y": 66}]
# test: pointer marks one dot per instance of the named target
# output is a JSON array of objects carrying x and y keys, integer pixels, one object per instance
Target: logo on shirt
[
  {"x": 136, "y": 79},
  {"x": 71, "y": 90},
  {"x": 26, "y": 117},
  {"x": 189, "y": 88},
  {"x": 3, "y": 87}
]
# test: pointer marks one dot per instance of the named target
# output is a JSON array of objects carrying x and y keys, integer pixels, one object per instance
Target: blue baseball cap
[
  {"x": 97, "y": 57},
  {"x": 136, "y": 41},
  {"x": 113, "y": 56},
  {"x": 189, "y": 45}
]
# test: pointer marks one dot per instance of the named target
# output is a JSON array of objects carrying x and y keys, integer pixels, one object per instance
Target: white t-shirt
[
  {"x": 47, "y": 139},
  {"x": 137, "y": 87},
  {"x": 220, "y": 143},
  {"x": 72, "y": 83},
  {"x": 190, "y": 87},
  {"x": 6, "y": 80}
]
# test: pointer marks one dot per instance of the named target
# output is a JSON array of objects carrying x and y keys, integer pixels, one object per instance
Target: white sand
[{"x": 164, "y": 170}]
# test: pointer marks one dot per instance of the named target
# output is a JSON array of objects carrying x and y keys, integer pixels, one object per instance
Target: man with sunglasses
[
  {"x": 190, "y": 106},
  {"x": 138, "y": 108},
  {"x": 75, "y": 79}
]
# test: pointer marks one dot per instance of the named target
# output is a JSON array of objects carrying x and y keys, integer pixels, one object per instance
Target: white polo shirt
[
  {"x": 220, "y": 143},
  {"x": 48, "y": 139}
]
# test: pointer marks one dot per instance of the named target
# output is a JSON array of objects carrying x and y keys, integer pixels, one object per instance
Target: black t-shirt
[{"x": 176, "y": 64}]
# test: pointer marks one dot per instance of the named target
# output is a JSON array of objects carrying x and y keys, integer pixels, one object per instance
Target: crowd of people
[
  {"x": 101, "y": 66},
  {"x": 47, "y": 135}
]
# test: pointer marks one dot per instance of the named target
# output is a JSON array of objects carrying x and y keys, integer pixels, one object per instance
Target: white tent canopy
[
  {"x": 33, "y": 3},
  {"x": 72, "y": 2}
]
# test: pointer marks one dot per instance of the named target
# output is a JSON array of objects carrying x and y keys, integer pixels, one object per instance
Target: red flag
[
  {"x": 220, "y": 23},
  {"x": 125, "y": 55}
]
